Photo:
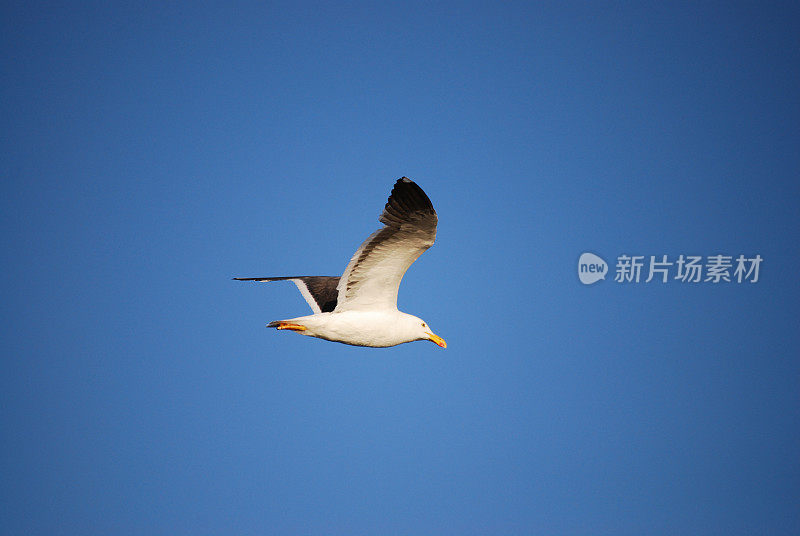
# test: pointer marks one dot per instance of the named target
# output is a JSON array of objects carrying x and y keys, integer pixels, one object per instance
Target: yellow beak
[{"x": 437, "y": 339}]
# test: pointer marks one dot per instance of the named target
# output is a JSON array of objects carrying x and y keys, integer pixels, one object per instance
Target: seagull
[{"x": 360, "y": 307}]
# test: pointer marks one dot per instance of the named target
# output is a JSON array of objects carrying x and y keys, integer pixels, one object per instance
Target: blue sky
[{"x": 150, "y": 153}]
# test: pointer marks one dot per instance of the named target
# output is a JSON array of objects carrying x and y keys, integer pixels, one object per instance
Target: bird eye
[{"x": 423, "y": 325}]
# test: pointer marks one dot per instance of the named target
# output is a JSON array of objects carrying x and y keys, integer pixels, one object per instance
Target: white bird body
[
  {"x": 360, "y": 307},
  {"x": 387, "y": 328}
]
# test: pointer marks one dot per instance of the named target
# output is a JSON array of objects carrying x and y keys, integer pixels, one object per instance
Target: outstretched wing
[
  {"x": 318, "y": 290},
  {"x": 373, "y": 275}
]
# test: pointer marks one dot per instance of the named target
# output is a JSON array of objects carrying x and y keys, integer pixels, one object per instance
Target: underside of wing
[
  {"x": 318, "y": 290},
  {"x": 373, "y": 276}
]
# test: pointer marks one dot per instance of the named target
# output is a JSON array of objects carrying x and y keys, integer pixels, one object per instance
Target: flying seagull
[{"x": 360, "y": 307}]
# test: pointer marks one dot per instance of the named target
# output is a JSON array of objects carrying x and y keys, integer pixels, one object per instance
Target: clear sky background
[{"x": 152, "y": 152}]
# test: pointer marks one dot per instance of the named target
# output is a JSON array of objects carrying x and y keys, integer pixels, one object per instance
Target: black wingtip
[{"x": 406, "y": 198}]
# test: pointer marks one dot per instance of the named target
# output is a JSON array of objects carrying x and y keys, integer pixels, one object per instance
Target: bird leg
[{"x": 288, "y": 325}]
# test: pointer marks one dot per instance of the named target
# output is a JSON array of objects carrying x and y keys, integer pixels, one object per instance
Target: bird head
[{"x": 423, "y": 332}]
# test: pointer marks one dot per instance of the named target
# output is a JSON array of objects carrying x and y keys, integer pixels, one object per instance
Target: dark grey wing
[
  {"x": 373, "y": 276},
  {"x": 318, "y": 290}
]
